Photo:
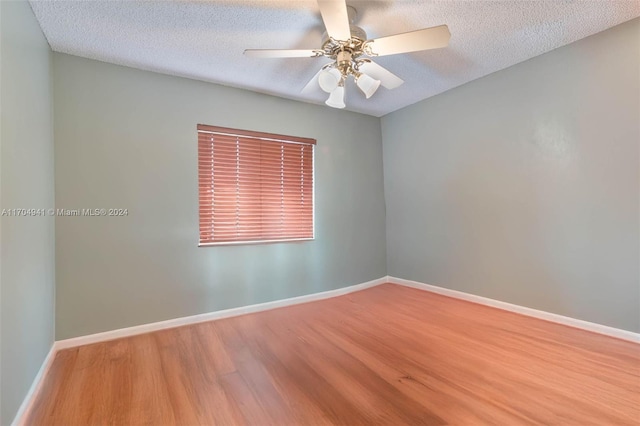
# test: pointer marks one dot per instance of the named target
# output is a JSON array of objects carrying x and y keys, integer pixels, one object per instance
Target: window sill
[{"x": 238, "y": 243}]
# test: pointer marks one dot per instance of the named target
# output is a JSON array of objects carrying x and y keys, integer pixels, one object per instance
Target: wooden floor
[{"x": 387, "y": 355}]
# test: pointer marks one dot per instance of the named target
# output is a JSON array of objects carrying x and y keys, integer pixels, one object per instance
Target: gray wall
[
  {"x": 126, "y": 138},
  {"x": 523, "y": 186},
  {"x": 26, "y": 181}
]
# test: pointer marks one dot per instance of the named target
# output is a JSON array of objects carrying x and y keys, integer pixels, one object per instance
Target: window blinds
[{"x": 254, "y": 186}]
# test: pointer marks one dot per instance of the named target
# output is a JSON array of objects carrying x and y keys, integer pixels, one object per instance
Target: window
[{"x": 254, "y": 187}]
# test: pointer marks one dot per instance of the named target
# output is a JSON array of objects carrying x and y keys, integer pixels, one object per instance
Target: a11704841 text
[{"x": 62, "y": 212}]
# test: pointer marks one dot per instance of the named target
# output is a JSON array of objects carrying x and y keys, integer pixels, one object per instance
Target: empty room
[{"x": 319, "y": 212}]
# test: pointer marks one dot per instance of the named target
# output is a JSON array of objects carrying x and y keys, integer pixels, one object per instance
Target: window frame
[{"x": 274, "y": 137}]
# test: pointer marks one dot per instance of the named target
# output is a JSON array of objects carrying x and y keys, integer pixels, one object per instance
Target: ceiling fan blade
[
  {"x": 283, "y": 53},
  {"x": 336, "y": 19},
  {"x": 388, "y": 79},
  {"x": 312, "y": 84},
  {"x": 428, "y": 38}
]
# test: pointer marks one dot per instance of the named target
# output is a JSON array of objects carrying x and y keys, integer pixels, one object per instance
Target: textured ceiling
[{"x": 204, "y": 40}]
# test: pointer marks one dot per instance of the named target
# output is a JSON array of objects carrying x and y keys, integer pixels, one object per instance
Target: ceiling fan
[{"x": 347, "y": 45}]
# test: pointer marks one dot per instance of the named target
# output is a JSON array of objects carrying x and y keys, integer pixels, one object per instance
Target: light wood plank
[{"x": 385, "y": 355}]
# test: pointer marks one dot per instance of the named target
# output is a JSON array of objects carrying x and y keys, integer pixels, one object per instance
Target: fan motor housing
[
  {"x": 358, "y": 32},
  {"x": 332, "y": 47}
]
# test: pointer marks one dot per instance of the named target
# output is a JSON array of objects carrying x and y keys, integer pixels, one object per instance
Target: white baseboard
[
  {"x": 559, "y": 319},
  {"x": 30, "y": 397},
  {"x": 194, "y": 319}
]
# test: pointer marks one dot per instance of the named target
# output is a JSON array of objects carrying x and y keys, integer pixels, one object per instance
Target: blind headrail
[{"x": 203, "y": 128}]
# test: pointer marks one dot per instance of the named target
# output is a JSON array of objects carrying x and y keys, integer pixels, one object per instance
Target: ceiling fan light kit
[
  {"x": 329, "y": 79},
  {"x": 367, "y": 84},
  {"x": 347, "y": 45},
  {"x": 336, "y": 98}
]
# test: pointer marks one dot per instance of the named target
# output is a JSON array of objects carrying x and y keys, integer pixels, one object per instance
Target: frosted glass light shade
[
  {"x": 336, "y": 98},
  {"x": 367, "y": 85},
  {"x": 329, "y": 79}
]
